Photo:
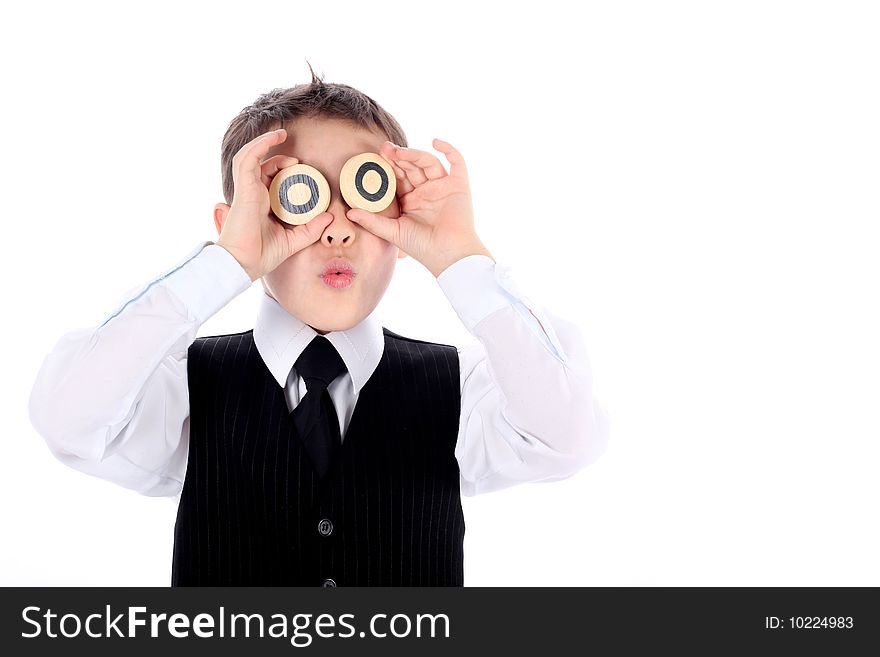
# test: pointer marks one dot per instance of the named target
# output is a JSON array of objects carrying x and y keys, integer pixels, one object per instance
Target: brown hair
[{"x": 315, "y": 99}]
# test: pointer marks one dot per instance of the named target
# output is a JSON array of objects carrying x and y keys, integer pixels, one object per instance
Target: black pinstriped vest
[{"x": 253, "y": 513}]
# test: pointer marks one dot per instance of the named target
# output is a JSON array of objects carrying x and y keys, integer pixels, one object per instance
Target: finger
[
  {"x": 457, "y": 167},
  {"x": 404, "y": 186},
  {"x": 430, "y": 165},
  {"x": 271, "y": 166},
  {"x": 436, "y": 191},
  {"x": 380, "y": 225},
  {"x": 303, "y": 235},
  {"x": 413, "y": 173},
  {"x": 410, "y": 173},
  {"x": 247, "y": 160}
]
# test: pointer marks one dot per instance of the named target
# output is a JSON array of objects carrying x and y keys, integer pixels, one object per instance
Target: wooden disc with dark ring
[
  {"x": 298, "y": 194},
  {"x": 367, "y": 182}
]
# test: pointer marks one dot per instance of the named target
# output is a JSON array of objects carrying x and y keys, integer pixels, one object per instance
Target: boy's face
[{"x": 296, "y": 283}]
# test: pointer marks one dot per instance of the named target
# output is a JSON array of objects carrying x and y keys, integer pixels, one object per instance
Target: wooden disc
[
  {"x": 367, "y": 182},
  {"x": 298, "y": 194}
]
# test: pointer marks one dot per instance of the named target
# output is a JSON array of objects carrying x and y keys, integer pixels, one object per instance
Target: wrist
[
  {"x": 250, "y": 272},
  {"x": 438, "y": 266}
]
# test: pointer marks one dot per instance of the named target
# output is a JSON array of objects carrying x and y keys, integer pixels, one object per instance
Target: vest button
[
  {"x": 328, "y": 583},
  {"x": 325, "y": 528}
]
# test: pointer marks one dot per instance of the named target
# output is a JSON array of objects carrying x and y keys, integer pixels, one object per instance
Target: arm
[
  {"x": 527, "y": 406},
  {"x": 112, "y": 401},
  {"x": 528, "y": 412}
]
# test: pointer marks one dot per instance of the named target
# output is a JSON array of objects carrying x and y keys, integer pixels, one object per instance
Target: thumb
[
  {"x": 380, "y": 225},
  {"x": 303, "y": 235}
]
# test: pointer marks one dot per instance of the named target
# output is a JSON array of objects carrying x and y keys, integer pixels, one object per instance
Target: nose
[{"x": 340, "y": 231}]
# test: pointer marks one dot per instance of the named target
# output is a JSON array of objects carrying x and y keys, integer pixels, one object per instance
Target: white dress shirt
[{"x": 112, "y": 401}]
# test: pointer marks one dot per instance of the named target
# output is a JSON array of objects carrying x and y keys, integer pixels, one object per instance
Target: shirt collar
[{"x": 280, "y": 338}]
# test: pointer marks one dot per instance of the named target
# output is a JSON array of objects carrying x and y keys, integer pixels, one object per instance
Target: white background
[{"x": 695, "y": 184}]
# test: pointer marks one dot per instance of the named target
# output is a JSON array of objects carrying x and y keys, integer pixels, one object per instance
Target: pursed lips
[{"x": 338, "y": 266}]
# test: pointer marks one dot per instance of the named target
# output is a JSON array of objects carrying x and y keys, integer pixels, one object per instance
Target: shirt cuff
[
  {"x": 207, "y": 280},
  {"x": 473, "y": 287},
  {"x": 477, "y": 287}
]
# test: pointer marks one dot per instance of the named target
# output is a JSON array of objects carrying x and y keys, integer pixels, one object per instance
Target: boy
[{"x": 320, "y": 448}]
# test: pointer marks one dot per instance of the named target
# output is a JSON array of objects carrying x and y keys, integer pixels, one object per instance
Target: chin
[{"x": 325, "y": 325}]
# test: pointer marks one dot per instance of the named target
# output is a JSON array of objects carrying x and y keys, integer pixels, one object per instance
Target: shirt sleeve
[
  {"x": 527, "y": 408},
  {"x": 112, "y": 401}
]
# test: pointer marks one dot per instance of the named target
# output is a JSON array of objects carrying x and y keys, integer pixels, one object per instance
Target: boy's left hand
[{"x": 436, "y": 224}]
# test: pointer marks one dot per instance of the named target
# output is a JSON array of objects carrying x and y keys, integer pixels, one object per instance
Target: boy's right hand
[{"x": 251, "y": 232}]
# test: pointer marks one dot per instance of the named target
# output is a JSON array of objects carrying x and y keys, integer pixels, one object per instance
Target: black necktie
[{"x": 315, "y": 417}]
